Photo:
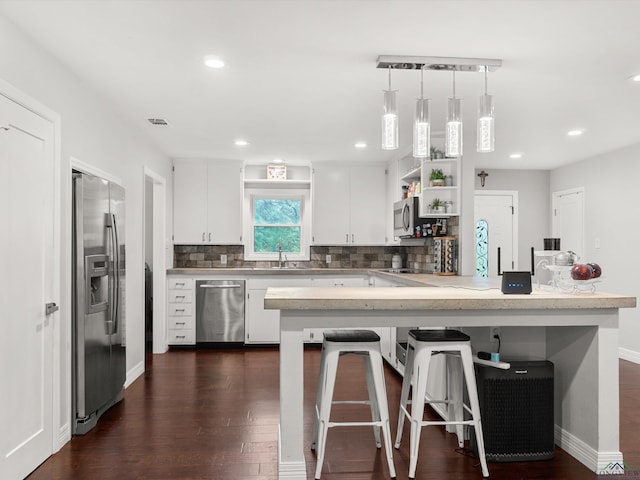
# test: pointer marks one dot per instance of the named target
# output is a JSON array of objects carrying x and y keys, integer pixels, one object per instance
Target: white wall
[
  {"x": 611, "y": 199},
  {"x": 95, "y": 134},
  {"x": 534, "y": 206}
]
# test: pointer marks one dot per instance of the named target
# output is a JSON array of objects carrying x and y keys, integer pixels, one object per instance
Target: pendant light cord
[
  {"x": 485, "y": 79},
  {"x": 454, "y": 84},
  {"x": 389, "y": 77},
  {"x": 421, "y": 85}
]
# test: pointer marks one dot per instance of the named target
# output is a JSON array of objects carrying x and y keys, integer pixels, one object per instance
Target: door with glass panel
[{"x": 495, "y": 232}]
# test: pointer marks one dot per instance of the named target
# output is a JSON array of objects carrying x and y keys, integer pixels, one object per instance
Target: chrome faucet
[{"x": 281, "y": 263}]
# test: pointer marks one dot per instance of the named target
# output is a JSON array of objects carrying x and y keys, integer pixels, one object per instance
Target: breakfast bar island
[{"x": 577, "y": 332}]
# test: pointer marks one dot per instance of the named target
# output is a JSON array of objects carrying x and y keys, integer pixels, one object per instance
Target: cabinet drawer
[
  {"x": 180, "y": 283},
  {"x": 180, "y": 309},
  {"x": 181, "y": 297},
  {"x": 182, "y": 337},
  {"x": 180, "y": 323}
]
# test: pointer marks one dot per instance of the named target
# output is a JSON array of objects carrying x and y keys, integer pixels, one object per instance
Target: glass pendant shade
[
  {"x": 422, "y": 129},
  {"x": 390, "y": 121},
  {"x": 453, "y": 130},
  {"x": 485, "y": 138}
]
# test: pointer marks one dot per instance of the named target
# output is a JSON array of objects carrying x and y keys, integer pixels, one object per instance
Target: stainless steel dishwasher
[{"x": 219, "y": 311}]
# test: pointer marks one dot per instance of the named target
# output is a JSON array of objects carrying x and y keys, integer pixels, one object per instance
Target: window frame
[{"x": 252, "y": 194}]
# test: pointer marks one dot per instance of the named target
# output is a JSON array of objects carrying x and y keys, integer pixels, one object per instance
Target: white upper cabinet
[
  {"x": 349, "y": 205},
  {"x": 207, "y": 203}
]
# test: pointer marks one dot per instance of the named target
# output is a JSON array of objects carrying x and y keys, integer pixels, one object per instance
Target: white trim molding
[
  {"x": 601, "y": 463},
  {"x": 629, "y": 355},
  {"x": 133, "y": 374}
]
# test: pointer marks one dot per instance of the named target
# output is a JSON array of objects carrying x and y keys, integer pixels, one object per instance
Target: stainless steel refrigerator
[{"x": 98, "y": 345}]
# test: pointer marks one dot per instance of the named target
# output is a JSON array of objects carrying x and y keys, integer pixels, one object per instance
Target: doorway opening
[{"x": 154, "y": 262}]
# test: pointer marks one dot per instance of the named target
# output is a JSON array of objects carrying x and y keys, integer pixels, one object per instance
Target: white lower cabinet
[
  {"x": 263, "y": 326},
  {"x": 181, "y": 326}
]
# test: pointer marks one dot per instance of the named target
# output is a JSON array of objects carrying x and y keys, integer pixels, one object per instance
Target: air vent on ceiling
[{"x": 157, "y": 121}]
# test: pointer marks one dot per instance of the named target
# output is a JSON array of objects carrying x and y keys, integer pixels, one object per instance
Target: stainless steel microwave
[
  {"x": 405, "y": 217},
  {"x": 407, "y": 223}
]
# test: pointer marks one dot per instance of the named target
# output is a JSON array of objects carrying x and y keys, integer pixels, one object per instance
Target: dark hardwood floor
[{"x": 213, "y": 414}]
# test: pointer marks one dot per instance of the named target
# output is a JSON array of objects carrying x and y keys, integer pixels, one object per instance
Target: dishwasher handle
[{"x": 220, "y": 286}]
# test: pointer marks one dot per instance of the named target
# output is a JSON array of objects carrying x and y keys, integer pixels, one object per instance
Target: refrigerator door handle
[
  {"x": 112, "y": 325},
  {"x": 116, "y": 293}
]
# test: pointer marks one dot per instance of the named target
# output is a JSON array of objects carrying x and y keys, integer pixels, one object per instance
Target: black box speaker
[{"x": 516, "y": 406}]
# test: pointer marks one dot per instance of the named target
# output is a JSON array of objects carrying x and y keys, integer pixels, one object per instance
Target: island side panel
[
  {"x": 586, "y": 384},
  {"x": 291, "y": 462}
]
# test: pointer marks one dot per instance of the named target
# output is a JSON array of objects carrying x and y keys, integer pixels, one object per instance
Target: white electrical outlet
[
  {"x": 328, "y": 258},
  {"x": 493, "y": 331},
  {"x": 223, "y": 259}
]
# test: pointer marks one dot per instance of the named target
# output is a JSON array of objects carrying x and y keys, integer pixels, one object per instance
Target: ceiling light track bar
[{"x": 401, "y": 62}]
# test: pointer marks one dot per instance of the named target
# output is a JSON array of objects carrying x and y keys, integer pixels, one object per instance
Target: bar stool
[
  {"x": 422, "y": 344},
  {"x": 359, "y": 342}
]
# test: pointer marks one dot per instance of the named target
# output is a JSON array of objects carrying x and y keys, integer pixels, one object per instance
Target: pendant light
[
  {"x": 485, "y": 138},
  {"x": 453, "y": 131},
  {"x": 422, "y": 125},
  {"x": 390, "y": 119}
]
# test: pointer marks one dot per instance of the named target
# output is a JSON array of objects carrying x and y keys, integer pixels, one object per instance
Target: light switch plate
[
  {"x": 328, "y": 258},
  {"x": 223, "y": 259}
]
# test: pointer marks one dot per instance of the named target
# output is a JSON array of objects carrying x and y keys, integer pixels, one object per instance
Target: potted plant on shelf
[
  {"x": 438, "y": 206},
  {"x": 436, "y": 153},
  {"x": 436, "y": 178}
]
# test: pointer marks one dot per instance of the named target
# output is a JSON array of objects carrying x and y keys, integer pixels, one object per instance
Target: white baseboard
[
  {"x": 63, "y": 436},
  {"x": 133, "y": 374},
  {"x": 290, "y": 470},
  {"x": 630, "y": 355},
  {"x": 601, "y": 463}
]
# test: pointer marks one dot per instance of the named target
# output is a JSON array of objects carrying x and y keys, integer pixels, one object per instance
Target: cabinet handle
[
  {"x": 203, "y": 236},
  {"x": 181, "y": 336},
  {"x": 179, "y": 309},
  {"x": 181, "y": 323},
  {"x": 180, "y": 296},
  {"x": 209, "y": 236},
  {"x": 347, "y": 238},
  {"x": 353, "y": 238},
  {"x": 179, "y": 283}
]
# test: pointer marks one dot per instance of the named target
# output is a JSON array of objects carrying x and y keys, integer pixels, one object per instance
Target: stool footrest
[{"x": 354, "y": 424}]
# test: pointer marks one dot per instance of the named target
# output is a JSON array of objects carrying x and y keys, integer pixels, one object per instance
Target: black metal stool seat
[
  {"x": 439, "y": 336},
  {"x": 351, "y": 336}
]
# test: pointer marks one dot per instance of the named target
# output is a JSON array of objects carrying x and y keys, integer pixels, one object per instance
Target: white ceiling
[{"x": 301, "y": 81}]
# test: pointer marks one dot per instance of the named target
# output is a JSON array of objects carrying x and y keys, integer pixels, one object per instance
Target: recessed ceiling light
[
  {"x": 213, "y": 62},
  {"x": 635, "y": 78},
  {"x": 241, "y": 143},
  {"x": 575, "y": 133},
  {"x": 515, "y": 155},
  {"x": 360, "y": 145}
]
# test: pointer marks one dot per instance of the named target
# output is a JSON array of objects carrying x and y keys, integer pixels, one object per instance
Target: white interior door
[
  {"x": 27, "y": 242},
  {"x": 498, "y": 210},
  {"x": 568, "y": 220}
]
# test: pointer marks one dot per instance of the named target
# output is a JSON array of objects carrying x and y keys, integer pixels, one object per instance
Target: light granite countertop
[
  {"x": 453, "y": 292},
  {"x": 268, "y": 271},
  {"x": 461, "y": 297}
]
